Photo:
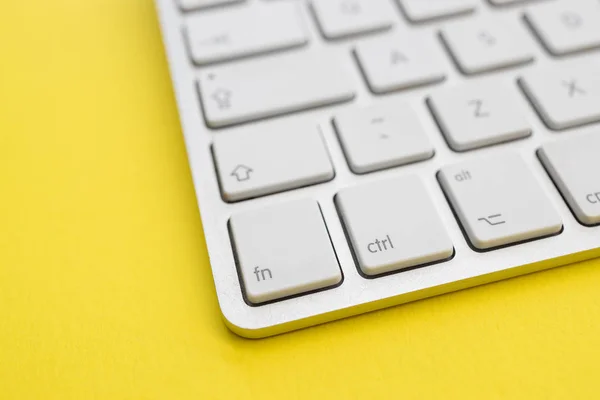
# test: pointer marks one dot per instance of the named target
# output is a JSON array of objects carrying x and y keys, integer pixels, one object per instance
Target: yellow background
[{"x": 105, "y": 289}]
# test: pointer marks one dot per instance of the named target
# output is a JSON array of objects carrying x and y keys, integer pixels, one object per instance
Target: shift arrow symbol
[{"x": 241, "y": 173}]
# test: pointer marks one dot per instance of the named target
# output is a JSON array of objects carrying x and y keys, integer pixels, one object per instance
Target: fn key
[{"x": 283, "y": 250}]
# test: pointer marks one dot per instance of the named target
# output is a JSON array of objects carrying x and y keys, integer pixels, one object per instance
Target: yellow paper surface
[{"x": 105, "y": 287}]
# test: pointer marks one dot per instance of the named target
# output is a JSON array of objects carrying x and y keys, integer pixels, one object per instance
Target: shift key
[
  {"x": 272, "y": 86},
  {"x": 264, "y": 159}
]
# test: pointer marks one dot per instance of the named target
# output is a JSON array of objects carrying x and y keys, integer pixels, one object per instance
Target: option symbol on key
[
  {"x": 502, "y": 182},
  {"x": 241, "y": 172},
  {"x": 491, "y": 219}
]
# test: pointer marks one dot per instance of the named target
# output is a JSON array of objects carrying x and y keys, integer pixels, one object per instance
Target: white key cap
[
  {"x": 244, "y": 31},
  {"x": 382, "y": 137},
  {"x": 189, "y": 5},
  {"x": 565, "y": 97},
  {"x": 479, "y": 114},
  {"x": 393, "y": 225},
  {"x": 566, "y": 27},
  {"x": 508, "y": 2},
  {"x": 393, "y": 62},
  {"x": 427, "y": 10},
  {"x": 283, "y": 250},
  {"x": 341, "y": 18},
  {"x": 485, "y": 44},
  {"x": 573, "y": 165},
  {"x": 499, "y": 201},
  {"x": 272, "y": 86},
  {"x": 266, "y": 159}
]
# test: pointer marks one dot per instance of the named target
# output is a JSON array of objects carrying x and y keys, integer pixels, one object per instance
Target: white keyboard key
[
  {"x": 393, "y": 225},
  {"x": 509, "y": 2},
  {"x": 479, "y": 114},
  {"x": 283, "y": 250},
  {"x": 565, "y": 97},
  {"x": 427, "y": 10},
  {"x": 393, "y": 62},
  {"x": 244, "y": 31},
  {"x": 272, "y": 86},
  {"x": 382, "y": 137},
  {"x": 189, "y": 5},
  {"x": 566, "y": 27},
  {"x": 485, "y": 44},
  {"x": 574, "y": 165},
  {"x": 499, "y": 201},
  {"x": 341, "y": 18},
  {"x": 267, "y": 159}
]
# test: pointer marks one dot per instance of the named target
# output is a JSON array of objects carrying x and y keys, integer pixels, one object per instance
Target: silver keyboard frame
[{"x": 357, "y": 294}]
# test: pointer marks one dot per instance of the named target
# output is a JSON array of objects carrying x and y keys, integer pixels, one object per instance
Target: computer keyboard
[{"x": 350, "y": 155}]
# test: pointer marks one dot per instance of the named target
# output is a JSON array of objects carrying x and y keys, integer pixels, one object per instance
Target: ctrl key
[
  {"x": 283, "y": 250},
  {"x": 393, "y": 225},
  {"x": 573, "y": 164}
]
